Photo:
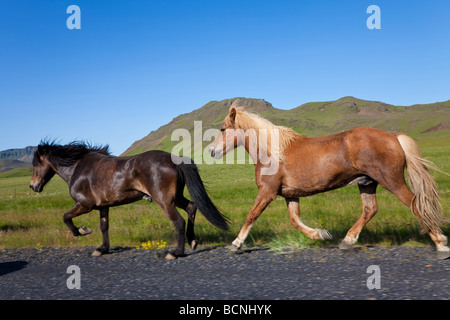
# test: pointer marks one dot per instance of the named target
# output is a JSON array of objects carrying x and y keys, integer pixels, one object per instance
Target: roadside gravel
[{"x": 212, "y": 273}]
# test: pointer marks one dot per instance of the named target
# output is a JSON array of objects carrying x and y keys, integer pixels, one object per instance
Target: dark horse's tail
[{"x": 199, "y": 196}]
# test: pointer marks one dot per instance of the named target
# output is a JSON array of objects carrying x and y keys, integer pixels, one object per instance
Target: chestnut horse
[
  {"x": 99, "y": 181},
  {"x": 300, "y": 166}
]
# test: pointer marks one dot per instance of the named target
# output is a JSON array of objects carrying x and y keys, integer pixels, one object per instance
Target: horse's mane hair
[
  {"x": 69, "y": 154},
  {"x": 245, "y": 120}
]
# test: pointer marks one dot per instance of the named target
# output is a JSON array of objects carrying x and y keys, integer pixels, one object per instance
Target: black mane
[{"x": 69, "y": 154}]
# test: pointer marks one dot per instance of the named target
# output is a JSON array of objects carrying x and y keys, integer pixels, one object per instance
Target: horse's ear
[{"x": 232, "y": 114}]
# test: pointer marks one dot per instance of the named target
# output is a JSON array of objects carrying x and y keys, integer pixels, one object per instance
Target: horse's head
[
  {"x": 42, "y": 169},
  {"x": 264, "y": 141},
  {"x": 230, "y": 137}
]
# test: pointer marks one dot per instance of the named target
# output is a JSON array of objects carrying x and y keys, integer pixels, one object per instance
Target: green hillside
[
  {"x": 16, "y": 158},
  {"x": 7, "y": 164},
  {"x": 313, "y": 119},
  {"x": 211, "y": 115},
  {"x": 23, "y": 154}
]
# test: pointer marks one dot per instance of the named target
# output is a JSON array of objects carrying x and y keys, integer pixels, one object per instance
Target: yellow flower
[{"x": 150, "y": 245}]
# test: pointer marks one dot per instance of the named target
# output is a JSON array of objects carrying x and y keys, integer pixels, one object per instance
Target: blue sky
[{"x": 135, "y": 65}]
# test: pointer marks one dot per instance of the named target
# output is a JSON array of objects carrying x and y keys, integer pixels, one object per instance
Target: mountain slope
[
  {"x": 24, "y": 154},
  {"x": 312, "y": 119},
  {"x": 211, "y": 115},
  {"x": 7, "y": 164},
  {"x": 16, "y": 158}
]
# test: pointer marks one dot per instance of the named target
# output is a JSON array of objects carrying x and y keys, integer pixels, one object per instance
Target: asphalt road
[{"x": 215, "y": 274}]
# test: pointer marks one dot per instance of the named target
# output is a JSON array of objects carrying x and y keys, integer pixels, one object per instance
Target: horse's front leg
[
  {"x": 104, "y": 226},
  {"x": 77, "y": 210},
  {"x": 263, "y": 199}
]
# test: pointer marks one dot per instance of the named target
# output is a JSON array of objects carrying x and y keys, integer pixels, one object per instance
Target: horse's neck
[
  {"x": 258, "y": 153},
  {"x": 259, "y": 146},
  {"x": 252, "y": 148},
  {"x": 65, "y": 172}
]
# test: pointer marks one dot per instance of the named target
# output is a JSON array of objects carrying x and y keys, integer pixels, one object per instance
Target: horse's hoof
[
  {"x": 233, "y": 249},
  {"x": 194, "y": 244},
  {"x": 84, "y": 230},
  {"x": 345, "y": 246},
  {"x": 442, "y": 255},
  {"x": 325, "y": 234},
  {"x": 170, "y": 256},
  {"x": 96, "y": 253}
]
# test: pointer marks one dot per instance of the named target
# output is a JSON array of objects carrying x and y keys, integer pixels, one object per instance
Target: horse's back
[
  {"x": 109, "y": 181},
  {"x": 370, "y": 147},
  {"x": 155, "y": 173},
  {"x": 316, "y": 165},
  {"x": 324, "y": 163},
  {"x": 379, "y": 155}
]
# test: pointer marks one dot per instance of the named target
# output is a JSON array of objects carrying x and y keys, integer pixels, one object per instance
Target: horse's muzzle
[
  {"x": 215, "y": 153},
  {"x": 36, "y": 187}
]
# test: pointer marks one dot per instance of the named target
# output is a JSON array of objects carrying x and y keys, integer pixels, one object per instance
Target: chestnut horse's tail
[
  {"x": 189, "y": 173},
  {"x": 422, "y": 184}
]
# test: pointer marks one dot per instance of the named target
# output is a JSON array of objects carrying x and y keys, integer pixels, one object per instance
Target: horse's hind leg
[
  {"x": 294, "y": 217},
  {"x": 172, "y": 213},
  {"x": 191, "y": 209},
  {"x": 407, "y": 197},
  {"x": 370, "y": 208}
]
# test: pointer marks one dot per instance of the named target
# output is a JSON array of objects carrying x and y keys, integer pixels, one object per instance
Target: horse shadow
[
  {"x": 193, "y": 253},
  {"x": 12, "y": 266}
]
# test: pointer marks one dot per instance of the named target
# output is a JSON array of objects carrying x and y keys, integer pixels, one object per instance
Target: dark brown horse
[
  {"x": 99, "y": 181},
  {"x": 293, "y": 166}
]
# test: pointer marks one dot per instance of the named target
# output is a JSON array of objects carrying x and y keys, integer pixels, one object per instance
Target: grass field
[{"x": 35, "y": 220}]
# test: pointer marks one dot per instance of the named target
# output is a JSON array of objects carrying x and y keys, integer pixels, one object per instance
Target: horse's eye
[{"x": 222, "y": 129}]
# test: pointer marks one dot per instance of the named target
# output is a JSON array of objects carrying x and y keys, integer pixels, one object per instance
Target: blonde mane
[{"x": 245, "y": 121}]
